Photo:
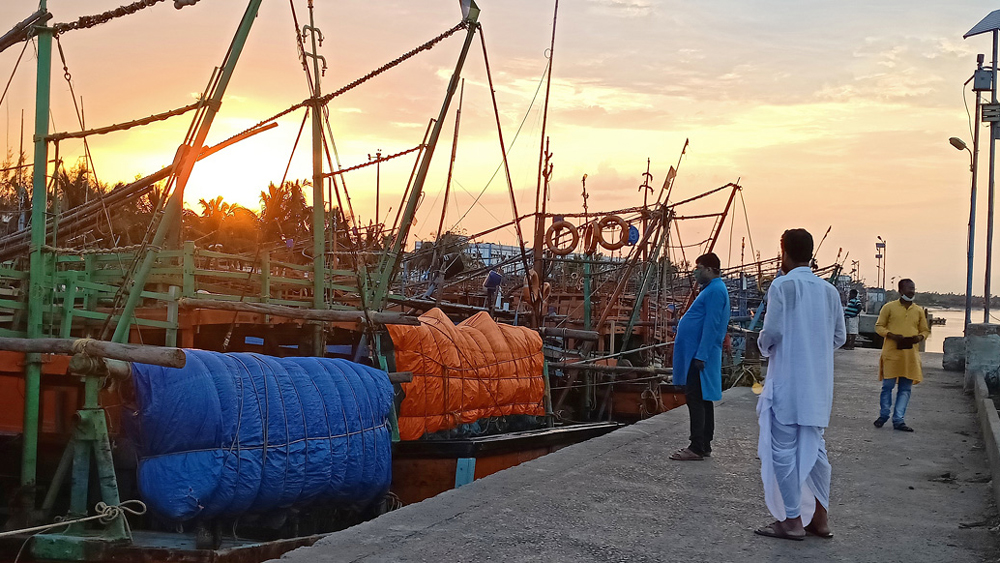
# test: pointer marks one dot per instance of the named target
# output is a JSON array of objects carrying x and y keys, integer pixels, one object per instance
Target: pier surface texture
[{"x": 896, "y": 496}]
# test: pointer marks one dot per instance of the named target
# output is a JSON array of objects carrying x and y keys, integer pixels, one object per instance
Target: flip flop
[
  {"x": 773, "y": 531},
  {"x": 811, "y": 530},
  {"x": 686, "y": 455}
]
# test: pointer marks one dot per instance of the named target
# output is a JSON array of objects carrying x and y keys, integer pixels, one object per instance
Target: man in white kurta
[{"x": 803, "y": 325}]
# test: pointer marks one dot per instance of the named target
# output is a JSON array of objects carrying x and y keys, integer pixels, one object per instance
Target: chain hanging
[{"x": 87, "y": 22}]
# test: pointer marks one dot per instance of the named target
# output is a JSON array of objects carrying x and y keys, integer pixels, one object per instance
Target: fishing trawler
[{"x": 292, "y": 374}]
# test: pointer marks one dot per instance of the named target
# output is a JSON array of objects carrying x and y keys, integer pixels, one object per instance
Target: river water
[{"x": 954, "y": 325}]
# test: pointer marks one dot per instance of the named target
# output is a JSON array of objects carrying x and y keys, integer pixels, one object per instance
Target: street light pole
[
  {"x": 959, "y": 144},
  {"x": 881, "y": 257},
  {"x": 989, "y": 210}
]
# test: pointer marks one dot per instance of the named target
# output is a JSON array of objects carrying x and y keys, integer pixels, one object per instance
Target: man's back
[
  {"x": 853, "y": 308},
  {"x": 803, "y": 325}
]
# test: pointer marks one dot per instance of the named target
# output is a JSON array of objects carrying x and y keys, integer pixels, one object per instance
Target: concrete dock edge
[{"x": 989, "y": 422}]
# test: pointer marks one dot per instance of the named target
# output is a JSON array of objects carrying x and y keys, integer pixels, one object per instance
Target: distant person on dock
[
  {"x": 698, "y": 355},
  {"x": 903, "y": 325},
  {"x": 803, "y": 325},
  {"x": 852, "y": 318}
]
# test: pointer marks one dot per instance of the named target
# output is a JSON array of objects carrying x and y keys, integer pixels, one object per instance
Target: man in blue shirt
[
  {"x": 698, "y": 355},
  {"x": 852, "y": 318}
]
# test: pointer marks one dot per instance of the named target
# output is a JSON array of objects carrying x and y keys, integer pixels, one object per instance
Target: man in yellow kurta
[{"x": 903, "y": 325}]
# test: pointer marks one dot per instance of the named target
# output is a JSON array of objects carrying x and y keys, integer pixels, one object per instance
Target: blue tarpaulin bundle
[{"x": 230, "y": 434}]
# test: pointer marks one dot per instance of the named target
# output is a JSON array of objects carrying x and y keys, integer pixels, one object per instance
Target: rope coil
[{"x": 106, "y": 514}]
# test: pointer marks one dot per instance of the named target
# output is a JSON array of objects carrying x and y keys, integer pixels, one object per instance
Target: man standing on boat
[
  {"x": 852, "y": 318},
  {"x": 903, "y": 325},
  {"x": 803, "y": 325},
  {"x": 698, "y": 355}
]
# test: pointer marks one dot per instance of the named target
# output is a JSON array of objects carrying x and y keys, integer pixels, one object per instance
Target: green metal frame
[{"x": 90, "y": 436}]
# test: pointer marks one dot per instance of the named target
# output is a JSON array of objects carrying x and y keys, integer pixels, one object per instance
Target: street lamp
[
  {"x": 881, "y": 257},
  {"x": 959, "y": 144}
]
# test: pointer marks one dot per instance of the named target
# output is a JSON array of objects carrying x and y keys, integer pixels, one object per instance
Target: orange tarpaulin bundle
[{"x": 464, "y": 373}]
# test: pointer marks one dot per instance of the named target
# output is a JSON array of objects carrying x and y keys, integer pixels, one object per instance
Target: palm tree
[
  {"x": 284, "y": 214},
  {"x": 78, "y": 186}
]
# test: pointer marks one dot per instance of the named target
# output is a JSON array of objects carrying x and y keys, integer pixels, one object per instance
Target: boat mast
[
  {"x": 319, "y": 205},
  {"x": 540, "y": 189},
  {"x": 389, "y": 263}
]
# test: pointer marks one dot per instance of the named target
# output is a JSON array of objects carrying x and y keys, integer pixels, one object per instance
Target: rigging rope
[
  {"x": 394, "y": 63},
  {"x": 372, "y": 162},
  {"x": 746, "y": 217},
  {"x": 13, "y": 72},
  {"x": 509, "y": 149}
]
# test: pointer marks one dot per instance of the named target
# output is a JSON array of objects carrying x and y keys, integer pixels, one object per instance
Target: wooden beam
[{"x": 325, "y": 315}]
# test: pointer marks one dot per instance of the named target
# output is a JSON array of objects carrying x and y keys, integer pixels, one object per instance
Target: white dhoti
[
  {"x": 793, "y": 466},
  {"x": 853, "y": 324}
]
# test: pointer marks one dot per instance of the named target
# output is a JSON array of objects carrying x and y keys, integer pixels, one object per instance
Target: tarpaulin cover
[
  {"x": 235, "y": 433},
  {"x": 464, "y": 373}
]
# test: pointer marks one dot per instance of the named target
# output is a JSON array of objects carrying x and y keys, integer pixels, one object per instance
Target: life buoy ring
[
  {"x": 609, "y": 222},
  {"x": 553, "y": 234},
  {"x": 589, "y": 238}
]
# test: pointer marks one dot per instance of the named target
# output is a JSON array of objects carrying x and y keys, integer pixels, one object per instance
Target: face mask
[
  {"x": 905, "y": 298},
  {"x": 701, "y": 276}
]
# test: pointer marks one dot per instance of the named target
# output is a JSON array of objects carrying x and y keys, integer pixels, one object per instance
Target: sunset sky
[{"x": 829, "y": 113}]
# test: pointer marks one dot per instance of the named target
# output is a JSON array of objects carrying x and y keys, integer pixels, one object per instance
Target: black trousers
[{"x": 702, "y": 415}]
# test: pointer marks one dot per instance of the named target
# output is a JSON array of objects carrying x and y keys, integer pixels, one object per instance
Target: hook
[{"x": 308, "y": 28}]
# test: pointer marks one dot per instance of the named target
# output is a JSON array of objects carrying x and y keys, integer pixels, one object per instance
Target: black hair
[
  {"x": 854, "y": 293},
  {"x": 798, "y": 244},
  {"x": 710, "y": 260},
  {"x": 902, "y": 281}
]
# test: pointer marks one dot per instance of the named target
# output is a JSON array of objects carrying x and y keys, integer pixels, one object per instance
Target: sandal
[
  {"x": 686, "y": 455},
  {"x": 774, "y": 530},
  {"x": 811, "y": 530}
]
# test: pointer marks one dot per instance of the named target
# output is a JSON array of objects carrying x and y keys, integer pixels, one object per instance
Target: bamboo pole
[
  {"x": 299, "y": 313},
  {"x": 153, "y": 355}
]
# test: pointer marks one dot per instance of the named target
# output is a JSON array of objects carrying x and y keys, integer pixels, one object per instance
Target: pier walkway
[{"x": 896, "y": 497}]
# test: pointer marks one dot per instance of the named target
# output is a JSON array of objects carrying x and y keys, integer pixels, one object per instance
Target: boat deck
[{"x": 901, "y": 497}]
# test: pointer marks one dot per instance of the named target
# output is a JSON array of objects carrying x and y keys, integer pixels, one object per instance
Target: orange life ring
[
  {"x": 609, "y": 222},
  {"x": 589, "y": 238},
  {"x": 554, "y": 232}
]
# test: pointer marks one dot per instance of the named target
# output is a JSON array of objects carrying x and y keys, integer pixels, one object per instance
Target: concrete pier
[
  {"x": 896, "y": 497},
  {"x": 982, "y": 355}
]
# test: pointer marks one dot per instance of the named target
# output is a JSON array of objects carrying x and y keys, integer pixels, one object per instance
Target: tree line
[{"x": 283, "y": 221}]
